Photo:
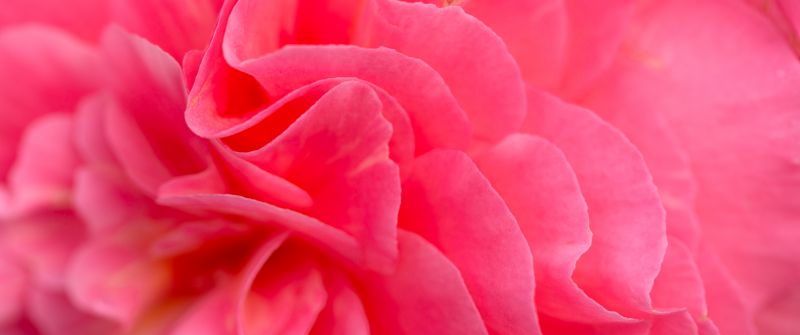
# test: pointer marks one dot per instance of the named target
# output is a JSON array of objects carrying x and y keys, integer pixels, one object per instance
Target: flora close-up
[{"x": 439, "y": 167}]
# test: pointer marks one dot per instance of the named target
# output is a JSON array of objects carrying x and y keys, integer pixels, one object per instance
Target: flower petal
[
  {"x": 541, "y": 190},
  {"x": 626, "y": 216},
  {"x": 42, "y": 174},
  {"x": 51, "y": 72},
  {"x": 471, "y": 58},
  {"x": 146, "y": 130},
  {"x": 287, "y": 69},
  {"x": 450, "y": 203},
  {"x": 338, "y": 152},
  {"x": 425, "y": 295},
  {"x": 741, "y": 136}
]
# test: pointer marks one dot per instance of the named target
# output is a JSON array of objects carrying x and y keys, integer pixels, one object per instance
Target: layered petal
[
  {"x": 41, "y": 177},
  {"x": 52, "y": 72},
  {"x": 541, "y": 190},
  {"x": 487, "y": 83},
  {"x": 741, "y": 136},
  {"x": 448, "y": 201},
  {"x": 110, "y": 277},
  {"x": 424, "y": 295},
  {"x": 338, "y": 152},
  {"x": 627, "y": 219},
  {"x": 145, "y": 129}
]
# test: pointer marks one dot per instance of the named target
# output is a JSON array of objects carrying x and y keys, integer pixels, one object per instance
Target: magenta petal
[
  {"x": 741, "y": 136},
  {"x": 185, "y": 193},
  {"x": 679, "y": 284},
  {"x": 84, "y": 18},
  {"x": 12, "y": 290},
  {"x": 44, "y": 243},
  {"x": 673, "y": 323},
  {"x": 450, "y": 203},
  {"x": 791, "y": 9},
  {"x": 105, "y": 201},
  {"x": 246, "y": 179},
  {"x": 112, "y": 278},
  {"x": 535, "y": 31},
  {"x": 42, "y": 173},
  {"x": 285, "y": 297},
  {"x": 146, "y": 130},
  {"x": 344, "y": 314},
  {"x": 176, "y": 26},
  {"x": 51, "y": 71},
  {"x": 52, "y": 312},
  {"x": 90, "y": 137},
  {"x": 471, "y": 58},
  {"x": 541, "y": 190},
  {"x": 725, "y": 304},
  {"x": 596, "y": 32},
  {"x": 287, "y": 69},
  {"x": 221, "y": 311},
  {"x": 626, "y": 215},
  {"x": 667, "y": 161},
  {"x": 425, "y": 295},
  {"x": 338, "y": 152}
]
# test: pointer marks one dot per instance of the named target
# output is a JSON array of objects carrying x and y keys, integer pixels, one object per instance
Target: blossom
[{"x": 388, "y": 167}]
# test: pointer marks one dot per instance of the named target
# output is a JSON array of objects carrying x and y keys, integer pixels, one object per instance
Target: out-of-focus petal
[
  {"x": 41, "y": 177},
  {"x": 52, "y": 312},
  {"x": 44, "y": 243},
  {"x": 221, "y": 312},
  {"x": 83, "y": 18},
  {"x": 12, "y": 292},
  {"x": 51, "y": 72},
  {"x": 535, "y": 31},
  {"x": 176, "y": 26},
  {"x": 685, "y": 62},
  {"x": 112, "y": 278},
  {"x": 146, "y": 129}
]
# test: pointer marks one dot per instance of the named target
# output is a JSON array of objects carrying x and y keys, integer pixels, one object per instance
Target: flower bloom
[{"x": 344, "y": 167}]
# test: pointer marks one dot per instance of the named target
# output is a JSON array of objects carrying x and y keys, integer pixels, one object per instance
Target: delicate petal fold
[
  {"x": 425, "y": 295},
  {"x": 541, "y": 190},
  {"x": 285, "y": 297},
  {"x": 337, "y": 151},
  {"x": 450, "y": 203},
  {"x": 221, "y": 312},
  {"x": 625, "y": 211},
  {"x": 679, "y": 284},
  {"x": 471, "y": 58}
]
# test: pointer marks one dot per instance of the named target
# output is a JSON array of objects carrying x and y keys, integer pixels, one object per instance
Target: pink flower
[{"x": 387, "y": 167}]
